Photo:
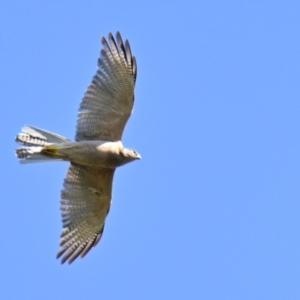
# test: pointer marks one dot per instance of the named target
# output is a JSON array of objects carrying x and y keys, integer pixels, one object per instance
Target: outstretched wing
[
  {"x": 85, "y": 202},
  {"x": 108, "y": 100}
]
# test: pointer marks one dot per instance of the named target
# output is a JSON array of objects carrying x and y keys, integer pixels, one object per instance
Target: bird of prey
[{"x": 96, "y": 152}]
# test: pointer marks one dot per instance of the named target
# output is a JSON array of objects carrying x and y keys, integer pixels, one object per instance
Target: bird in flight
[{"x": 96, "y": 152}]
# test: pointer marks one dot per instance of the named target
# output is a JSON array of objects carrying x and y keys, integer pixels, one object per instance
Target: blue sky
[{"x": 212, "y": 209}]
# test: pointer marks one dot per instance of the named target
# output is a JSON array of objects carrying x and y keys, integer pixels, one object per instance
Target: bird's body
[
  {"x": 100, "y": 153},
  {"x": 96, "y": 152}
]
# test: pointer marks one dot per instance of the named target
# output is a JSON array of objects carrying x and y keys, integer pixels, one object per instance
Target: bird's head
[{"x": 130, "y": 154}]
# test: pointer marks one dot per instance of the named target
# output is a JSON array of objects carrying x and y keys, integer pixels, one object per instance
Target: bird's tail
[{"x": 38, "y": 145}]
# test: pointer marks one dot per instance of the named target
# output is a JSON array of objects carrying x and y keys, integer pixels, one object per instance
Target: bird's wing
[
  {"x": 108, "y": 100},
  {"x": 85, "y": 202}
]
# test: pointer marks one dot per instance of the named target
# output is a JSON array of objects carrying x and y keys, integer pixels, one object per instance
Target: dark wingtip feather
[
  {"x": 113, "y": 45},
  {"x": 128, "y": 53},
  {"x": 131, "y": 60},
  {"x": 74, "y": 255},
  {"x": 121, "y": 44},
  {"x": 134, "y": 67},
  {"x": 70, "y": 252},
  {"x": 105, "y": 45},
  {"x": 118, "y": 35},
  {"x": 61, "y": 252}
]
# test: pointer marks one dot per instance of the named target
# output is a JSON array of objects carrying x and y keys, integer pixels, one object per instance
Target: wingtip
[
  {"x": 118, "y": 35},
  {"x": 110, "y": 35}
]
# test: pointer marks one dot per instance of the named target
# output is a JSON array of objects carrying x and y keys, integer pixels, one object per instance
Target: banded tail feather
[{"x": 36, "y": 141}]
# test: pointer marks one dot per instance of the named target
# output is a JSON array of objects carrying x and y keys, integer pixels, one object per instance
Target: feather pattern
[
  {"x": 35, "y": 139},
  {"x": 108, "y": 100},
  {"x": 85, "y": 202}
]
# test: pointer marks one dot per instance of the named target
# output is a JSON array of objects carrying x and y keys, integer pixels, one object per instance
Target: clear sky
[{"x": 212, "y": 210}]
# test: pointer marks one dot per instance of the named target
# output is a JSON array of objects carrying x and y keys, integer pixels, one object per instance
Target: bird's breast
[{"x": 96, "y": 153}]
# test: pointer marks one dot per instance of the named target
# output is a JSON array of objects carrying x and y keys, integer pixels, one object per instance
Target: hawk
[{"x": 96, "y": 152}]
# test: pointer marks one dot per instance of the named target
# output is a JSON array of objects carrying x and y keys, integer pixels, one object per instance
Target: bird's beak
[{"x": 138, "y": 156}]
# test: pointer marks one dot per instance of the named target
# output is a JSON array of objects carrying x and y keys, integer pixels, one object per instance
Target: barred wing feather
[
  {"x": 85, "y": 202},
  {"x": 108, "y": 100}
]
